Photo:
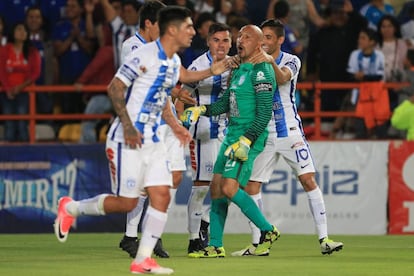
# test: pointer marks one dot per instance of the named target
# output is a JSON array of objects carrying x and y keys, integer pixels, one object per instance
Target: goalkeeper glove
[
  {"x": 191, "y": 114},
  {"x": 239, "y": 150}
]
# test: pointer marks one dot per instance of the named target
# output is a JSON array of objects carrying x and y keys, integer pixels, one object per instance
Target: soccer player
[
  {"x": 148, "y": 32},
  {"x": 248, "y": 102},
  {"x": 286, "y": 139},
  {"x": 137, "y": 157},
  {"x": 207, "y": 133}
]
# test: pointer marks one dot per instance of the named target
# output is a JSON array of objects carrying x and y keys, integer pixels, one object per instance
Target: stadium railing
[{"x": 317, "y": 114}]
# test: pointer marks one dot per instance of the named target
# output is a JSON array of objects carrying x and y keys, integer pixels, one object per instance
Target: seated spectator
[
  {"x": 403, "y": 116},
  {"x": 20, "y": 66},
  {"x": 374, "y": 11},
  {"x": 366, "y": 64},
  {"x": 73, "y": 50}
]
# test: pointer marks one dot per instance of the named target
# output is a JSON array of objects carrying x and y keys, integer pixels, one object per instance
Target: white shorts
[
  {"x": 175, "y": 151},
  {"x": 132, "y": 170},
  {"x": 203, "y": 155},
  {"x": 294, "y": 149}
]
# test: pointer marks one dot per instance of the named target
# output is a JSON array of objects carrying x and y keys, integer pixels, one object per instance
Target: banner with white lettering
[
  {"x": 352, "y": 177},
  {"x": 401, "y": 191},
  {"x": 34, "y": 177}
]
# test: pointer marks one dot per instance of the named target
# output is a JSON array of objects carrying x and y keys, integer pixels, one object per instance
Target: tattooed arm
[{"x": 116, "y": 93}]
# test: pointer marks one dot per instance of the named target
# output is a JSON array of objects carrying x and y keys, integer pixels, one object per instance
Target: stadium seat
[
  {"x": 70, "y": 132},
  {"x": 44, "y": 132}
]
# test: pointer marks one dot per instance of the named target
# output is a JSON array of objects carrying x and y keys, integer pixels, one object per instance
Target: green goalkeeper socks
[
  {"x": 250, "y": 209},
  {"x": 218, "y": 215}
]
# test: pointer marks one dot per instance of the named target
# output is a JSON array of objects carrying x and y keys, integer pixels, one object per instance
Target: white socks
[
  {"x": 317, "y": 207},
  {"x": 91, "y": 206},
  {"x": 195, "y": 210},
  {"x": 152, "y": 229},
  {"x": 257, "y": 198},
  {"x": 134, "y": 217}
]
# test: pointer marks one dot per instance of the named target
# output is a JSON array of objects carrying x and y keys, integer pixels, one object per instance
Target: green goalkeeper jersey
[{"x": 248, "y": 102}]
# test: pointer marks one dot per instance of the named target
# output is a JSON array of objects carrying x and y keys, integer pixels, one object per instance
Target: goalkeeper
[{"x": 248, "y": 102}]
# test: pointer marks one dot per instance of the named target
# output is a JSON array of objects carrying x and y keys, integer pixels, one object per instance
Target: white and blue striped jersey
[
  {"x": 208, "y": 91},
  {"x": 132, "y": 43},
  {"x": 148, "y": 89},
  {"x": 285, "y": 118},
  {"x": 120, "y": 32}
]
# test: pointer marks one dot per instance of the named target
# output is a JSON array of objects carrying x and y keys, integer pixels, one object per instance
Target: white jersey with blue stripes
[
  {"x": 147, "y": 89},
  {"x": 208, "y": 91},
  {"x": 285, "y": 120},
  {"x": 132, "y": 43}
]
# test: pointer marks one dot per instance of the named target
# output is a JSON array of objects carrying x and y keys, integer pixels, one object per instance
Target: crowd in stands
[{"x": 78, "y": 42}]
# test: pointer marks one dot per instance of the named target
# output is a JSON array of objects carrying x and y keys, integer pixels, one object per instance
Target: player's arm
[
  {"x": 217, "y": 67},
  {"x": 264, "y": 90},
  {"x": 180, "y": 132},
  {"x": 116, "y": 93}
]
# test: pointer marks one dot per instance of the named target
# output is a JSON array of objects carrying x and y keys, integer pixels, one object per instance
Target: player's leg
[
  {"x": 300, "y": 160},
  {"x": 203, "y": 154},
  {"x": 123, "y": 200},
  {"x": 158, "y": 180}
]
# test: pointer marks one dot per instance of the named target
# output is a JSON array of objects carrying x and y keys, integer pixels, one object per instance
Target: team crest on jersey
[
  {"x": 260, "y": 76},
  {"x": 209, "y": 167},
  {"x": 131, "y": 183},
  {"x": 241, "y": 80}
]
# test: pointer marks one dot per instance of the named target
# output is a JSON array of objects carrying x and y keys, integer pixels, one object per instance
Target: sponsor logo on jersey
[{"x": 263, "y": 87}]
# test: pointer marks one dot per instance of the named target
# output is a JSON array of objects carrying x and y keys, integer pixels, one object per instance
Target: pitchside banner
[
  {"x": 32, "y": 178},
  {"x": 352, "y": 177},
  {"x": 401, "y": 188}
]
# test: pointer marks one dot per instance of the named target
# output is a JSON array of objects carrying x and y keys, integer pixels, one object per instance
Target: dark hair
[
  {"x": 238, "y": 22},
  {"x": 203, "y": 18},
  {"x": 281, "y": 9},
  {"x": 149, "y": 11},
  {"x": 171, "y": 15},
  {"x": 393, "y": 20},
  {"x": 372, "y": 35},
  {"x": 218, "y": 27},
  {"x": 276, "y": 25},
  {"x": 137, "y": 5},
  {"x": 410, "y": 56},
  {"x": 26, "y": 44}
]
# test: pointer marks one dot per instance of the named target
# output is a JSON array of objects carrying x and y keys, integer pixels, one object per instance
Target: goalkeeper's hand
[
  {"x": 239, "y": 150},
  {"x": 191, "y": 114}
]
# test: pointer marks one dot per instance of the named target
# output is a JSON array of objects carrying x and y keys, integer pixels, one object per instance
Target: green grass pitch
[{"x": 98, "y": 254}]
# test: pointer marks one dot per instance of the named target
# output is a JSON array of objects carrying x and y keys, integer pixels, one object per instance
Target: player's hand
[
  {"x": 260, "y": 57},
  {"x": 239, "y": 150},
  {"x": 132, "y": 137},
  {"x": 183, "y": 95},
  {"x": 191, "y": 114},
  {"x": 183, "y": 135}
]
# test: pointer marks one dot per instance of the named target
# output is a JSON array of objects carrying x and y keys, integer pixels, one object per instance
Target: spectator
[
  {"x": 394, "y": 49},
  {"x": 374, "y": 11},
  {"x": 199, "y": 44},
  {"x": 39, "y": 38},
  {"x": 223, "y": 12},
  {"x": 407, "y": 29},
  {"x": 291, "y": 45},
  {"x": 238, "y": 9},
  {"x": 366, "y": 64},
  {"x": 403, "y": 116},
  {"x": 20, "y": 66},
  {"x": 184, "y": 3},
  {"x": 329, "y": 50},
  {"x": 15, "y": 11},
  {"x": 123, "y": 25},
  {"x": 301, "y": 13},
  {"x": 404, "y": 14},
  {"x": 53, "y": 12},
  {"x": 74, "y": 51},
  {"x": 3, "y": 32}
]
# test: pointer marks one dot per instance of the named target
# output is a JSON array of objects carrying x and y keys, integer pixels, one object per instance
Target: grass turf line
[{"x": 98, "y": 254}]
